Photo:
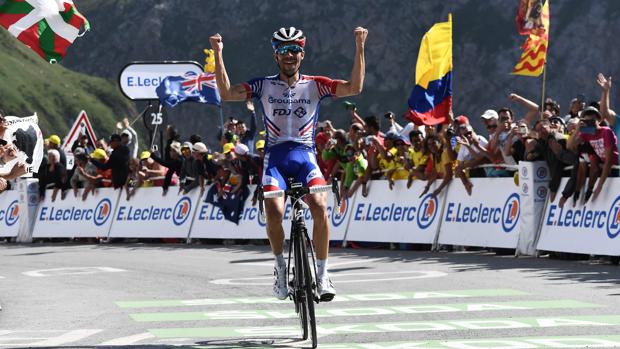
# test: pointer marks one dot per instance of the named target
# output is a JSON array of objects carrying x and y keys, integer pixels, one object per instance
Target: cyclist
[{"x": 290, "y": 103}]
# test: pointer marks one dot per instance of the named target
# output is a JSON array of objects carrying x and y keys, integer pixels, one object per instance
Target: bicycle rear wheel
[{"x": 308, "y": 289}]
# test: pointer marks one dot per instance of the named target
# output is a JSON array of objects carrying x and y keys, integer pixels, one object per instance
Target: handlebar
[{"x": 301, "y": 191}]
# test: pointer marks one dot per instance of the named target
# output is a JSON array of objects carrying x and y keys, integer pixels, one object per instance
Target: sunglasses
[
  {"x": 491, "y": 126},
  {"x": 294, "y": 49}
]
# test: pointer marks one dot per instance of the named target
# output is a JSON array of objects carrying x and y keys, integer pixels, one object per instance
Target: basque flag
[
  {"x": 431, "y": 99},
  {"x": 192, "y": 87}
]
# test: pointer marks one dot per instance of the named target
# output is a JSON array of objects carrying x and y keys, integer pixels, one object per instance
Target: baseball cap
[
  {"x": 590, "y": 110},
  {"x": 241, "y": 149},
  {"x": 187, "y": 145},
  {"x": 557, "y": 118},
  {"x": 391, "y": 135},
  {"x": 490, "y": 114},
  {"x": 227, "y": 148},
  {"x": 462, "y": 120},
  {"x": 98, "y": 154},
  {"x": 54, "y": 139},
  {"x": 145, "y": 155},
  {"x": 176, "y": 146},
  {"x": 200, "y": 147},
  {"x": 260, "y": 144},
  {"x": 393, "y": 151}
]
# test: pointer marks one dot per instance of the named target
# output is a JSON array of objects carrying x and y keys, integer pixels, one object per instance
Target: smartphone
[
  {"x": 589, "y": 130},
  {"x": 523, "y": 130}
]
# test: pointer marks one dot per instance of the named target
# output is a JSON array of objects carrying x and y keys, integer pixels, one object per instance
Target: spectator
[
  {"x": 103, "y": 177},
  {"x": 172, "y": 135},
  {"x": 577, "y": 104},
  {"x": 79, "y": 180},
  {"x": 247, "y": 163},
  {"x": 470, "y": 155},
  {"x": 56, "y": 178},
  {"x": 118, "y": 162},
  {"x": 440, "y": 165},
  {"x": 189, "y": 173},
  {"x": 248, "y": 136},
  {"x": 417, "y": 157},
  {"x": 358, "y": 169},
  {"x": 174, "y": 164},
  {"x": 54, "y": 143},
  {"x": 399, "y": 170},
  {"x": 84, "y": 143},
  {"x": 260, "y": 151},
  {"x": 134, "y": 178},
  {"x": 129, "y": 138},
  {"x": 605, "y": 145},
  {"x": 152, "y": 172},
  {"x": 103, "y": 144},
  {"x": 613, "y": 120},
  {"x": 197, "y": 169}
]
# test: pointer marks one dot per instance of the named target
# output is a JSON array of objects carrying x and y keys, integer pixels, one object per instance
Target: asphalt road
[{"x": 157, "y": 296}]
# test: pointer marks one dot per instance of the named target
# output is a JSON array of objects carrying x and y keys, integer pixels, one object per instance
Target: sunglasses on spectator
[
  {"x": 294, "y": 49},
  {"x": 491, "y": 126}
]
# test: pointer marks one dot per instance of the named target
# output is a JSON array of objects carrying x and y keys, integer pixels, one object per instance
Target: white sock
[
  {"x": 280, "y": 261},
  {"x": 321, "y": 267}
]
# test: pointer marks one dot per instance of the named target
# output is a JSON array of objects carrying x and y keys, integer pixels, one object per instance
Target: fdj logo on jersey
[
  {"x": 508, "y": 215},
  {"x": 11, "y": 214},
  {"x": 586, "y": 218},
  {"x": 178, "y": 214}
]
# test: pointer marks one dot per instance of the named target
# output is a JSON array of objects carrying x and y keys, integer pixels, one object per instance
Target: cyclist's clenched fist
[
  {"x": 216, "y": 42},
  {"x": 360, "y": 35}
]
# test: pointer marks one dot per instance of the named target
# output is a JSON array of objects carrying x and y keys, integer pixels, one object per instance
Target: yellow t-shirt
[
  {"x": 418, "y": 158},
  {"x": 440, "y": 166}
]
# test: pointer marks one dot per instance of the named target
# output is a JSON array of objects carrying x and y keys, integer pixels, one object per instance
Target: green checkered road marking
[
  {"x": 340, "y": 298},
  {"x": 361, "y": 311},
  {"x": 387, "y": 327}
]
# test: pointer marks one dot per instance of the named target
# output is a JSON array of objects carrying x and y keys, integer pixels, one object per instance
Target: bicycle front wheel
[
  {"x": 309, "y": 291},
  {"x": 298, "y": 283}
]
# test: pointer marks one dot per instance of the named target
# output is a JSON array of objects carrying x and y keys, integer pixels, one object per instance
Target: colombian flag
[{"x": 431, "y": 99}]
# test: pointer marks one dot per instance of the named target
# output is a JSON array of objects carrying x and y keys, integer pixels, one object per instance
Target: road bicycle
[{"x": 301, "y": 274}]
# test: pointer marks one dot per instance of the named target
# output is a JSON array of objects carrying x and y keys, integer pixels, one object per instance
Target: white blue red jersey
[{"x": 290, "y": 112}]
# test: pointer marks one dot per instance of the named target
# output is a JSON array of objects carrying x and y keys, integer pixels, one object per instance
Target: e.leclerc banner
[
  {"x": 397, "y": 215},
  {"x": 149, "y": 214},
  {"x": 73, "y": 217},
  {"x": 209, "y": 222},
  {"x": 487, "y": 218},
  {"x": 591, "y": 228},
  {"x": 9, "y": 213}
]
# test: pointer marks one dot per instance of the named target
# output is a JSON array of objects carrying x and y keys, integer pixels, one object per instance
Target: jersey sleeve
[
  {"x": 326, "y": 86},
  {"x": 609, "y": 138},
  {"x": 254, "y": 88}
]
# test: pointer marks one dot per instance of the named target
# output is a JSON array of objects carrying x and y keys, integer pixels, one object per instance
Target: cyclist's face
[{"x": 289, "y": 61}]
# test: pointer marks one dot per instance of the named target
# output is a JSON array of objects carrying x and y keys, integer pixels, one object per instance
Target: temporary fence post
[
  {"x": 435, "y": 245},
  {"x": 346, "y": 229}
]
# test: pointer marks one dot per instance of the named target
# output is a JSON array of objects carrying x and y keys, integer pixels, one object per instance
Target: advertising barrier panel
[
  {"x": 73, "y": 217},
  {"x": 397, "y": 215},
  {"x": 9, "y": 213},
  {"x": 209, "y": 222},
  {"x": 533, "y": 185},
  {"x": 591, "y": 228},
  {"x": 149, "y": 214},
  {"x": 487, "y": 218}
]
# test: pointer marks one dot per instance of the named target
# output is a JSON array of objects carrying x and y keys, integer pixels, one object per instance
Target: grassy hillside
[{"x": 28, "y": 84}]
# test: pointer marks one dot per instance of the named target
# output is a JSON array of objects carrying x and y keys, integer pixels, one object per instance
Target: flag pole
[
  {"x": 221, "y": 120},
  {"x": 544, "y": 82}
]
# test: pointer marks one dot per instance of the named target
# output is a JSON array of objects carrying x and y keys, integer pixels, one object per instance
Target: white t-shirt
[{"x": 465, "y": 153}]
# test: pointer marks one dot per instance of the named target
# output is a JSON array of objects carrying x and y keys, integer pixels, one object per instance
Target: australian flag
[
  {"x": 231, "y": 205},
  {"x": 190, "y": 87}
]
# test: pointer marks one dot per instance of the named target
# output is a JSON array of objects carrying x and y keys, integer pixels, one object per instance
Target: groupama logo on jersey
[
  {"x": 424, "y": 214},
  {"x": 99, "y": 215},
  {"x": 177, "y": 214},
  {"x": 508, "y": 215},
  {"x": 10, "y": 215}
]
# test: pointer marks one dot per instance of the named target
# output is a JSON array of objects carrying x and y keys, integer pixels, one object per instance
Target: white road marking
[
  {"x": 129, "y": 340},
  {"x": 421, "y": 274},
  {"x": 71, "y": 271},
  {"x": 43, "y": 338},
  {"x": 331, "y": 265}
]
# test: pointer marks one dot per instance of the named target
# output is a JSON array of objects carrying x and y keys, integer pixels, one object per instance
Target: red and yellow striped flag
[{"x": 533, "y": 20}]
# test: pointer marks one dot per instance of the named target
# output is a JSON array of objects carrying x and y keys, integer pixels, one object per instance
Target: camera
[{"x": 389, "y": 115}]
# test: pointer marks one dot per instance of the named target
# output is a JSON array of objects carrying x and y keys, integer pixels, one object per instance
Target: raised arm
[
  {"x": 227, "y": 92},
  {"x": 605, "y": 85},
  {"x": 355, "y": 85},
  {"x": 532, "y": 108}
]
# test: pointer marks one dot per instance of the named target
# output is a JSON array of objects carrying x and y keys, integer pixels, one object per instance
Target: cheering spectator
[
  {"x": 102, "y": 178},
  {"x": 84, "y": 143},
  {"x": 398, "y": 170},
  {"x": 248, "y": 136},
  {"x": 174, "y": 164},
  {"x": 129, "y": 138},
  {"x": 103, "y": 144},
  {"x": 189, "y": 178},
  {"x": 118, "y": 162},
  {"x": 613, "y": 120},
  {"x": 56, "y": 177},
  {"x": 172, "y": 135},
  {"x": 195, "y": 175},
  {"x": 358, "y": 169},
  {"x": 577, "y": 104}
]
